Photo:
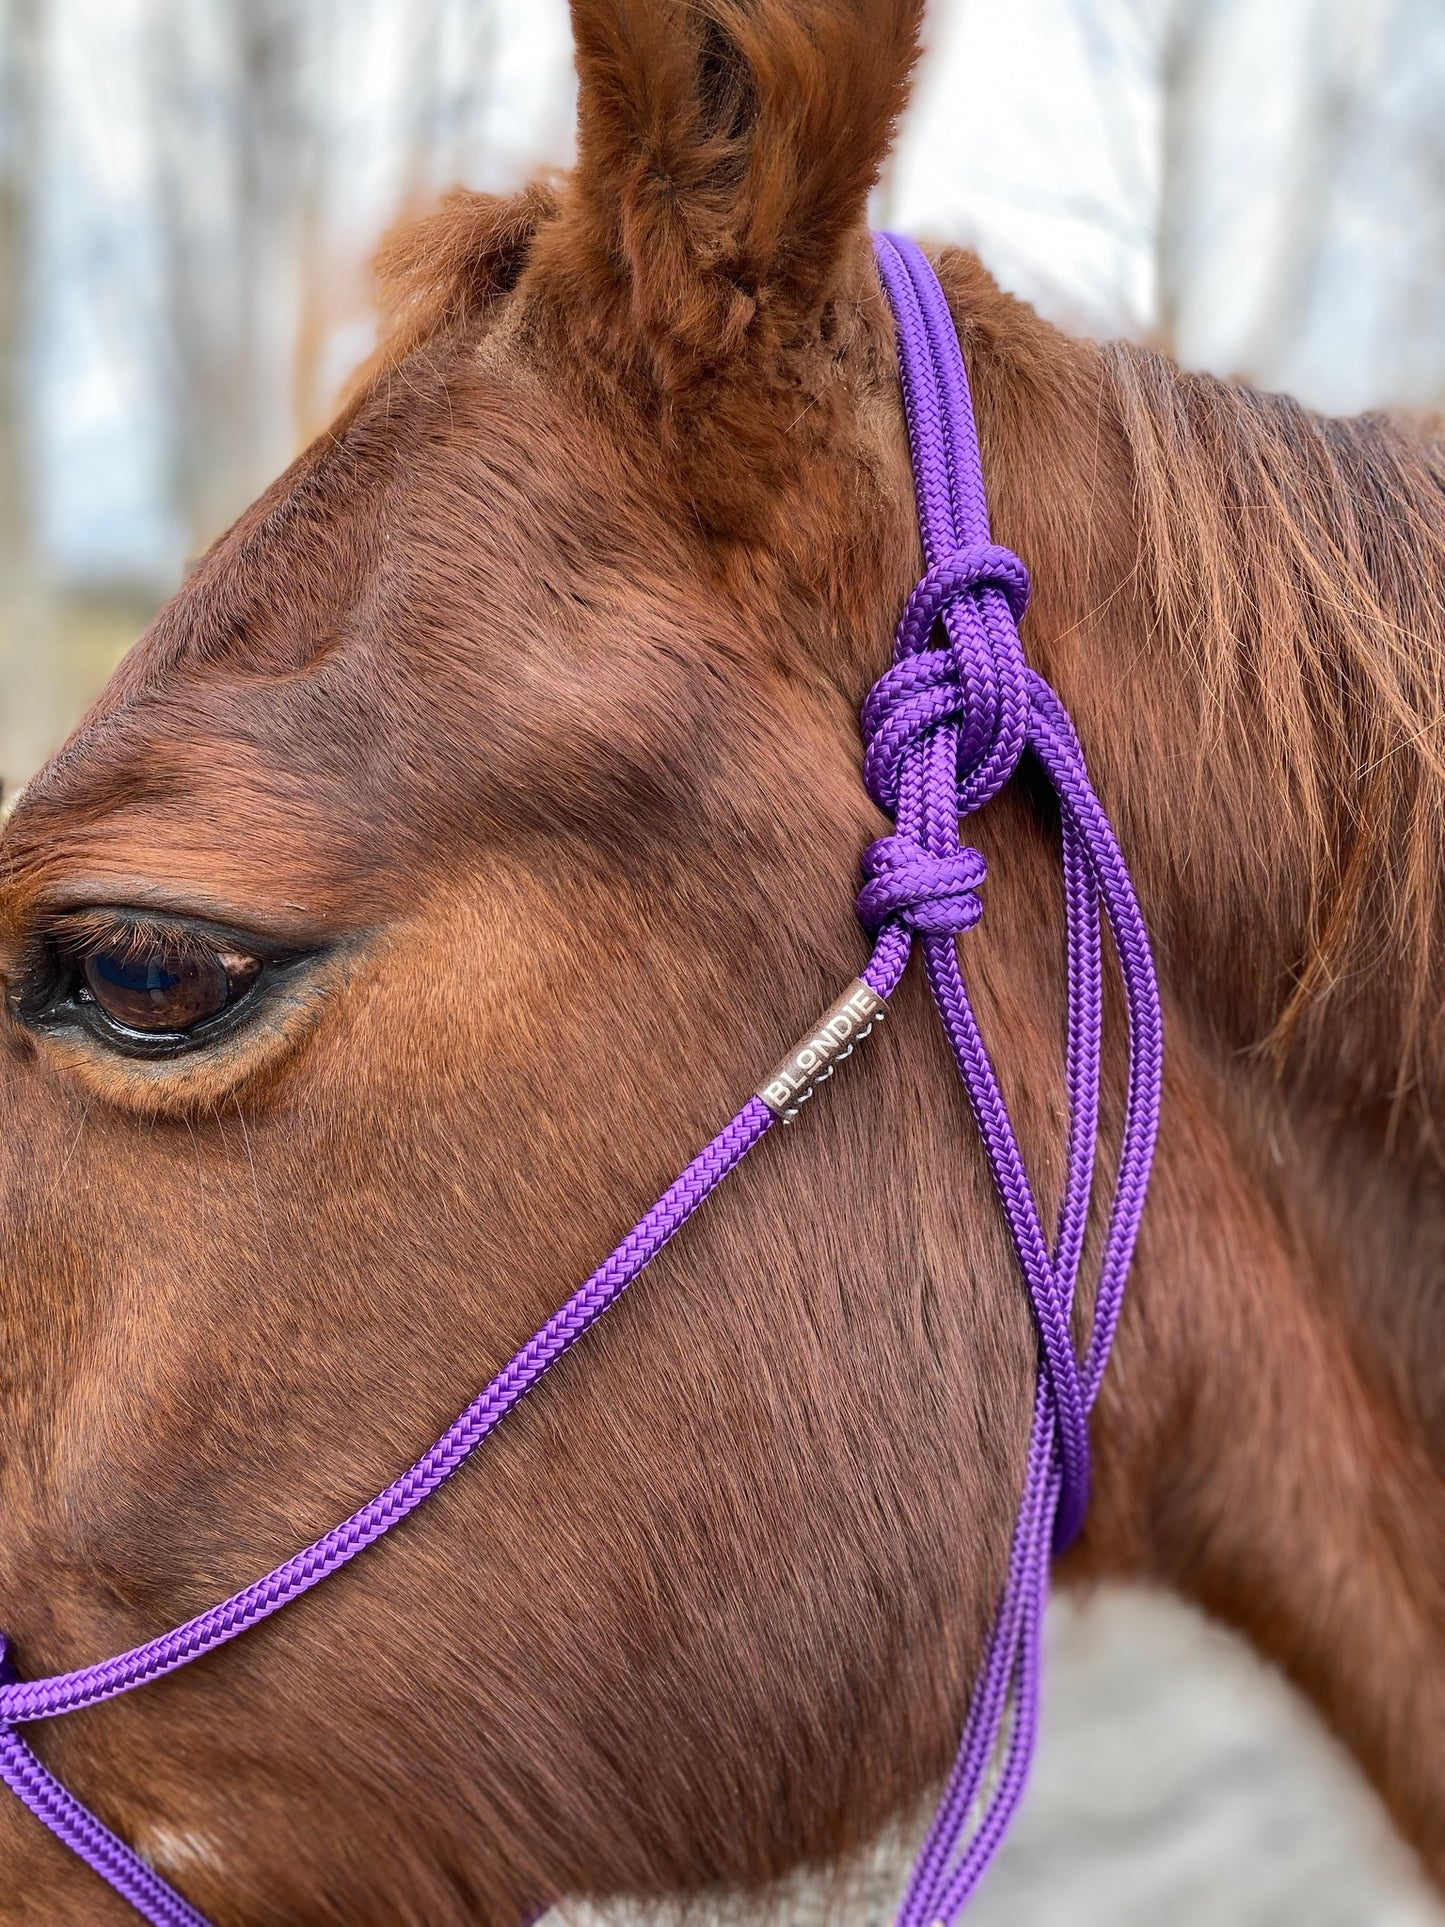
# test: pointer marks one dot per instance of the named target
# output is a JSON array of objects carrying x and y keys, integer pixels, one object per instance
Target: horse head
[{"x": 453, "y": 853}]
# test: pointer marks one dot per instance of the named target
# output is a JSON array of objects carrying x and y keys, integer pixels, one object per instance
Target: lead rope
[{"x": 944, "y": 729}]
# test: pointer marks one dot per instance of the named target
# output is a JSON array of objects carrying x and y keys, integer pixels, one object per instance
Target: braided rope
[
  {"x": 944, "y": 729},
  {"x": 39, "y": 1699},
  {"x": 77, "y": 1828}
]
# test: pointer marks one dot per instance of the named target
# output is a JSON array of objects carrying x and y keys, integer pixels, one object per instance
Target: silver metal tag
[{"x": 826, "y": 1045}]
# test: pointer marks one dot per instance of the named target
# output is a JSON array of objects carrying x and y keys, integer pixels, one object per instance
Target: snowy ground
[{"x": 1178, "y": 1784}]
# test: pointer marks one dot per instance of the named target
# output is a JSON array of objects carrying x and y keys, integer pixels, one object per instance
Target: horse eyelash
[{"x": 79, "y": 936}]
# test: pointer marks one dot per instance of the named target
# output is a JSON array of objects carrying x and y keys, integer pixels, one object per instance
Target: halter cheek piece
[{"x": 944, "y": 729}]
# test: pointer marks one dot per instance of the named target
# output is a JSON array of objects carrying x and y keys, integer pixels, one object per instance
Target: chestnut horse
[{"x": 489, "y": 801}]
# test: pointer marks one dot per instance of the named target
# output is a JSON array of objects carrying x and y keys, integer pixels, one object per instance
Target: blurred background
[{"x": 190, "y": 191}]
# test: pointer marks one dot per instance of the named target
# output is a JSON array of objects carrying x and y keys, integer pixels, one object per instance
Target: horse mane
[{"x": 1294, "y": 563}]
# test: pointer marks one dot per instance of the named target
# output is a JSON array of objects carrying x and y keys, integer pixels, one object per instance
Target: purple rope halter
[{"x": 944, "y": 729}]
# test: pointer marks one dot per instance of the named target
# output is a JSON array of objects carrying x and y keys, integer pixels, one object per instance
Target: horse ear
[{"x": 726, "y": 149}]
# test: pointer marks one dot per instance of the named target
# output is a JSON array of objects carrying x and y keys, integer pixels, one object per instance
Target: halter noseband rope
[{"x": 944, "y": 729}]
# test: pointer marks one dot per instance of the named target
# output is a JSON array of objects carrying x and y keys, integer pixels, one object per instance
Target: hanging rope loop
[{"x": 944, "y": 729}]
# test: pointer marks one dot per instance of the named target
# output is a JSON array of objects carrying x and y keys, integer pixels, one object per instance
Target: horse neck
[{"x": 1272, "y": 1433}]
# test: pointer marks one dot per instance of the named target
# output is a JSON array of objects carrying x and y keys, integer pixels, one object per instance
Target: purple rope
[
  {"x": 944, "y": 729},
  {"x": 42, "y": 1699}
]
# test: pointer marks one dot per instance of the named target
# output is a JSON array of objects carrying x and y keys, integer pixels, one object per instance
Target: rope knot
[
  {"x": 937, "y": 896},
  {"x": 973, "y": 679},
  {"x": 963, "y": 571}
]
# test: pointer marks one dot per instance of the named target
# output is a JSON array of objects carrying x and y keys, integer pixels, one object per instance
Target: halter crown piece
[{"x": 944, "y": 729}]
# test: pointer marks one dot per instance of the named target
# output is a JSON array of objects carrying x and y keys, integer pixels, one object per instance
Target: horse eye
[{"x": 152, "y": 982}]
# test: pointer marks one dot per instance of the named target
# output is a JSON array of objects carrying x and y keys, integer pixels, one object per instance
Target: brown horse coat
[{"x": 522, "y": 713}]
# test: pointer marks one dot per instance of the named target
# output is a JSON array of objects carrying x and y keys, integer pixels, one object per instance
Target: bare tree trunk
[
  {"x": 279, "y": 210},
  {"x": 20, "y": 49},
  {"x": 28, "y": 670},
  {"x": 1184, "y": 103},
  {"x": 239, "y": 187},
  {"x": 1326, "y": 149}
]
